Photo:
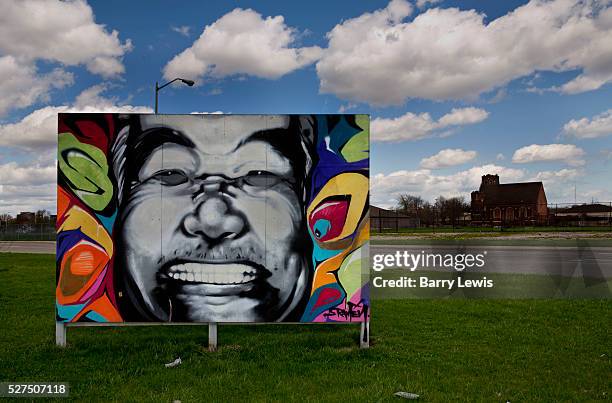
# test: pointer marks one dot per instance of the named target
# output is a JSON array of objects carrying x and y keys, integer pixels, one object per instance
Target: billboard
[{"x": 212, "y": 218}]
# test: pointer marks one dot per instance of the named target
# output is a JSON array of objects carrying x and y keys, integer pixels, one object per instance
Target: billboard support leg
[
  {"x": 60, "y": 334},
  {"x": 212, "y": 336},
  {"x": 364, "y": 336}
]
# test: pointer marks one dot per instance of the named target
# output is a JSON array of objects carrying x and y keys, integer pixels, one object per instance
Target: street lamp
[{"x": 157, "y": 87}]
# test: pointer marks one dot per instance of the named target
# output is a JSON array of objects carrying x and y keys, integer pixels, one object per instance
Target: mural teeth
[{"x": 231, "y": 273}]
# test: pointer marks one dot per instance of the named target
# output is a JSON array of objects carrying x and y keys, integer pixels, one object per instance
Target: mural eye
[
  {"x": 327, "y": 220},
  {"x": 262, "y": 179},
  {"x": 171, "y": 177}
]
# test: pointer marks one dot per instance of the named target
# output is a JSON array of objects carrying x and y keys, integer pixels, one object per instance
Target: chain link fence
[
  {"x": 27, "y": 232},
  {"x": 595, "y": 216}
]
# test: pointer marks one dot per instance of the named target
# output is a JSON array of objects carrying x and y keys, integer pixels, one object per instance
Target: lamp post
[{"x": 158, "y": 87}]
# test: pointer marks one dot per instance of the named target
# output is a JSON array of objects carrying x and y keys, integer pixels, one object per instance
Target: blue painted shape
[
  {"x": 108, "y": 222},
  {"x": 67, "y": 239},
  {"x": 96, "y": 317},
  {"x": 66, "y": 313},
  {"x": 341, "y": 134},
  {"x": 319, "y": 254},
  {"x": 310, "y": 313},
  {"x": 321, "y": 228}
]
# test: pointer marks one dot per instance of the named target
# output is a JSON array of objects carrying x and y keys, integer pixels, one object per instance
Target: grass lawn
[{"x": 444, "y": 350}]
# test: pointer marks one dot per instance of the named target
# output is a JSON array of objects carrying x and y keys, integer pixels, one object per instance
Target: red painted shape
[
  {"x": 334, "y": 212},
  {"x": 326, "y": 296}
]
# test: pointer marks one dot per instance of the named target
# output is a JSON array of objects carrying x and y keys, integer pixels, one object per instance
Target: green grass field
[{"x": 444, "y": 350}]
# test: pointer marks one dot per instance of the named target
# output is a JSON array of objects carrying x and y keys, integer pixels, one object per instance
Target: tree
[
  {"x": 409, "y": 204},
  {"x": 42, "y": 216},
  {"x": 5, "y": 217},
  {"x": 416, "y": 207},
  {"x": 451, "y": 210}
]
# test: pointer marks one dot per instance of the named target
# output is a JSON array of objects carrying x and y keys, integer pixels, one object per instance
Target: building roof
[
  {"x": 381, "y": 212},
  {"x": 511, "y": 193},
  {"x": 587, "y": 208}
]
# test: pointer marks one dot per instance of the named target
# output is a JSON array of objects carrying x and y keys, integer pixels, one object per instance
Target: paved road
[
  {"x": 593, "y": 262},
  {"x": 27, "y": 246}
]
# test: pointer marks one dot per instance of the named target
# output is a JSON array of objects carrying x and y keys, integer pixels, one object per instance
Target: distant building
[
  {"x": 509, "y": 203},
  {"x": 383, "y": 219},
  {"x": 584, "y": 214},
  {"x": 25, "y": 217}
]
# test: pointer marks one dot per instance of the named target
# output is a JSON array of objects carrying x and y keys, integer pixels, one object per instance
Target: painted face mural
[{"x": 212, "y": 218}]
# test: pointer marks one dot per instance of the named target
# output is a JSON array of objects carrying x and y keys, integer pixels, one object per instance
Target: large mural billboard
[{"x": 212, "y": 218}]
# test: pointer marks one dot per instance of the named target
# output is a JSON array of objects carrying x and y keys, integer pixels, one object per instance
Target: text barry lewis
[{"x": 426, "y": 282}]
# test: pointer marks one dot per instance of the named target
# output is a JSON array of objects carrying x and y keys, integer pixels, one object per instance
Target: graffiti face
[
  {"x": 215, "y": 218},
  {"x": 220, "y": 245}
]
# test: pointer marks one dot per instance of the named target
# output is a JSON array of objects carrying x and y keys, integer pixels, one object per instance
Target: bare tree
[{"x": 409, "y": 204}]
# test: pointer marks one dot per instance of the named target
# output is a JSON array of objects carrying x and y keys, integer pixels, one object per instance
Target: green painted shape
[
  {"x": 86, "y": 169},
  {"x": 357, "y": 148},
  {"x": 349, "y": 273}
]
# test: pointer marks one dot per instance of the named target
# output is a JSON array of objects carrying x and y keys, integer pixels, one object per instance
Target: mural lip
[{"x": 205, "y": 269}]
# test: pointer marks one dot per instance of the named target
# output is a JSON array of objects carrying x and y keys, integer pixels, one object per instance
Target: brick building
[{"x": 509, "y": 203}]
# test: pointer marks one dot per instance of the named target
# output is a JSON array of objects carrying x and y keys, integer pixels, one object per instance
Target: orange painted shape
[
  {"x": 105, "y": 307},
  {"x": 102, "y": 306},
  {"x": 63, "y": 202},
  {"x": 79, "y": 270}
]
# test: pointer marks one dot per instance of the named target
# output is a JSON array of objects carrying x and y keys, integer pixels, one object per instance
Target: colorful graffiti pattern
[{"x": 89, "y": 211}]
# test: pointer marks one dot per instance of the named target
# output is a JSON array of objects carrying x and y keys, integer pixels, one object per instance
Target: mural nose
[{"x": 213, "y": 220}]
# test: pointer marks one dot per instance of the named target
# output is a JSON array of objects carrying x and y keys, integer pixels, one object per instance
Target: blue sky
[{"x": 454, "y": 89}]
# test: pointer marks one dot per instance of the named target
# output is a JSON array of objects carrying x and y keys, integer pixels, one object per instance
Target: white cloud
[
  {"x": 207, "y": 113},
  {"x": 585, "y": 128},
  {"x": 61, "y": 32},
  {"x": 17, "y": 198},
  {"x": 412, "y": 126},
  {"x": 559, "y": 185},
  {"x": 568, "y": 153},
  {"x": 183, "y": 30},
  {"x": 454, "y": 54},
  {"x": 22, "y": 86},
  {"x": 424, "y": 183},
  {"x": 447, "y": 158},
  {"x": 500, "y": 157},
  {"x": 347, "y": 107},
  {"x": 242, "y": 42},
  {"x": 14, "y": 174},
  {"x": 38, "y": 130},
  {"x": 564, "y": 174},
  {"x": 426, "y": 3},
  {"x": 27, "y": 187}
]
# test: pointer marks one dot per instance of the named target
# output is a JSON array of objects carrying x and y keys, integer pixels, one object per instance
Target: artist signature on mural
[{"x": 353, "y": 311}]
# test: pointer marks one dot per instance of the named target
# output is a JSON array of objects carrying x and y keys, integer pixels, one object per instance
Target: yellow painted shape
[
  {"x": 77, "y": 218},
  {"x": 324, "y": 273},
  {"x": 349, "y": 183}
]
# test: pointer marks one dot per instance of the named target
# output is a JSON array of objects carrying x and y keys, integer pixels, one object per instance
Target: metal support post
[
  {"x": 60, "y": 334},
  {"x": 364, "y": 336},
  {"x": 212, "y": 336}
]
